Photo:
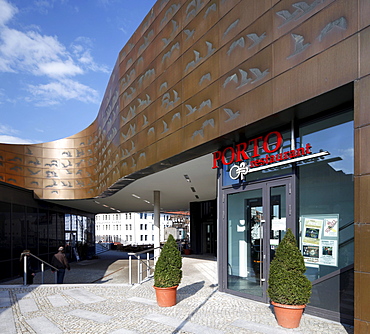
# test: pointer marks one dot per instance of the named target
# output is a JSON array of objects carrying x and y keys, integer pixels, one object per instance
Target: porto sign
[{"x": 272, "y": 156}]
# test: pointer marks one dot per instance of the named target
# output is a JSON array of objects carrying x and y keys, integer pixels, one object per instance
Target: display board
[{"x": 319, "y": 239}]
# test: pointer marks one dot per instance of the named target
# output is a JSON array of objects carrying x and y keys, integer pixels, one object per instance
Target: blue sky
[{"x": 56, "y": 57}]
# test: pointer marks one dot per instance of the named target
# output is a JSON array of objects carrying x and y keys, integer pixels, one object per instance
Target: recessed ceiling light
[
  {"x": 136, "y": 196},
  {"x": 187, "y": 178}
]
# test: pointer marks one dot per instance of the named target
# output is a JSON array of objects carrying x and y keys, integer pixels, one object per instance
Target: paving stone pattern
[{"x": 127, "y": 309}]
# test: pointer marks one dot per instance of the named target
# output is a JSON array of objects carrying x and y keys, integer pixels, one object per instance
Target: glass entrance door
[{"x": 257, "y": 219}]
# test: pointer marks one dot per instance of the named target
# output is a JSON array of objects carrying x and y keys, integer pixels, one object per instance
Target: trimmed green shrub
[
  {"x": 287, "y": 283},
  {"x": 167, "y": 272}
]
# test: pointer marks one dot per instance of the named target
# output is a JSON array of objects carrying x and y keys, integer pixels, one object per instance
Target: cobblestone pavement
[{"x": 113, "y": 307}]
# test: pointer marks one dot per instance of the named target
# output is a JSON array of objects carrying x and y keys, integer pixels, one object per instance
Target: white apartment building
[{"x": 131, "y": 228}]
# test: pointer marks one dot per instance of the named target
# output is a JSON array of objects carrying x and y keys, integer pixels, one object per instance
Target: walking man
[{"x": 60, "y": 262}]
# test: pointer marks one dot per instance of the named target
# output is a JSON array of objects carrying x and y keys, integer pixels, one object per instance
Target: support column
[{"x": 157, "y": 218}]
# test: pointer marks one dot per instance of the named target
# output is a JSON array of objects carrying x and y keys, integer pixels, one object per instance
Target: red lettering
[
  {"x": 279, "y": 157},
  {"x": 223, "y": 157},
  {"x": 292, "y": 154},
  {"x": 279, "y": 142},
  {"x": 216, "y": 157},
  {"x": 254, "y": 163},
  {"x": 255, "y": 146},
  {"x": 241, "y": 155},
  {"x": 308, "y": 148},
  {"x": 300, "y": 151},
  {"x": 272, "y": 159}
]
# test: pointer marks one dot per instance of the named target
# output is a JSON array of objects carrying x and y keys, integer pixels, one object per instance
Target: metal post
[
  {"x": 147, "y": 265},
  {"x": 24, "y": 269},
  {"x": 42, "y": 272},
  {"x": 138, "y": 269},
  {"x": 56, "y": 277},
  {"x": 157, "y": 225},
  {"x": 129, "y": 270}
]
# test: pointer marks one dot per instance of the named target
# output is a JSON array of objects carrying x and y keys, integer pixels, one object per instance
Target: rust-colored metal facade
[{"x": 196, "y": 70}]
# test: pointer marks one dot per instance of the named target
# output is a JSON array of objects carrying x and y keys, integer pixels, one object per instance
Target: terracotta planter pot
[
  {"x": 166, "y": 297},
  {"x": 288, "y": 316},
  {"x": 187, "y": 251}
]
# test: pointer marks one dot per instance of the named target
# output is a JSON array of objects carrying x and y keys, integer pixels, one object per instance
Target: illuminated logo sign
[{"x": 257, "y": 162}]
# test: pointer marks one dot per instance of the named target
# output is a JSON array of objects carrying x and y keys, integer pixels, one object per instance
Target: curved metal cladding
[{"x": 193, "y": 72}]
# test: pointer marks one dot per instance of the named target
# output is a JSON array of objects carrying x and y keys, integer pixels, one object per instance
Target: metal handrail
[
  {"x": 42, "y": 267},
  {"x": 140, "y": 263}
]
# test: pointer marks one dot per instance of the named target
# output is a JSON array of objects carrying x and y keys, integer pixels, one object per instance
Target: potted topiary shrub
[
  {"x": 168, "y": 273},
  {"x": 289, "y": 289}
]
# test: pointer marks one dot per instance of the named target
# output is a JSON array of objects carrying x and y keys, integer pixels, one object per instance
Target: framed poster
[
  {"x": 328, "y": 253},
  {"x": 312, "y": 230},
  {"x": 331, "y": 227}
]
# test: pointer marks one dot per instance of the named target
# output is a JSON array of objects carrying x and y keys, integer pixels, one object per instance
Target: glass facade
[
  {"x": 41, "y": 229},
  {"x": 326, "y": 211},
  {"x": 314, "y": 197}
]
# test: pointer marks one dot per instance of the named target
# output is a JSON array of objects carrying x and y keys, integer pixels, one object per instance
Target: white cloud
[
  {"x": 5, "y": 139},
  {"x": 31, "y": 52},
  {"x": 5, "y": 129},
  {"x": 7, "y": 11},
  {"x": 55, "y": 92},
  {"x": 60, "y": 69},
  {"x": 8, "y": 135},
  {"x": 28, "y": 52},
  {"x": 82, "y": 52}
]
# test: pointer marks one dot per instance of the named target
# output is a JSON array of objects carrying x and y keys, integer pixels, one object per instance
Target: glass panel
[
  {"x": 53, "y": 228},
  {"x": 244, "y": 216},
  {"x": 326, "y": 206},
  {"x": 19, "y": 230},
  {"x": 43, "y": 232},
  {"x": 278, "y": 217},
  {"x": 5, "y": 232},
  {"x": 60, "y": 229},
  {"x": 32, "y": 220}
]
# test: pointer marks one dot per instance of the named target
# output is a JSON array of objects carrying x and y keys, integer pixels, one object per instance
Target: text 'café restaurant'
[{"x": 276, "y": 95}]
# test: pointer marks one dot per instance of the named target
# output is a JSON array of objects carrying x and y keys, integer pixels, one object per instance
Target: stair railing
[
  {"x": 25, "y": 259},
  {"x": 143, "y": 260}
]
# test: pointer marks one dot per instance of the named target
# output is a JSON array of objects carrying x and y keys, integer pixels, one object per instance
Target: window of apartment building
[{"x": 141, "y": 237}]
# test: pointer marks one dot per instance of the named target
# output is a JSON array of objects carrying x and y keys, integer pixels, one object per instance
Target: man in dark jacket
[{"x": 60, "y": 262}]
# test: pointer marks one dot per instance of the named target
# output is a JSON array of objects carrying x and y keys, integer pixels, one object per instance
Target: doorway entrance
[
  {"x": 208, "y": 238},
  {"x": 257, "y": 219}
]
